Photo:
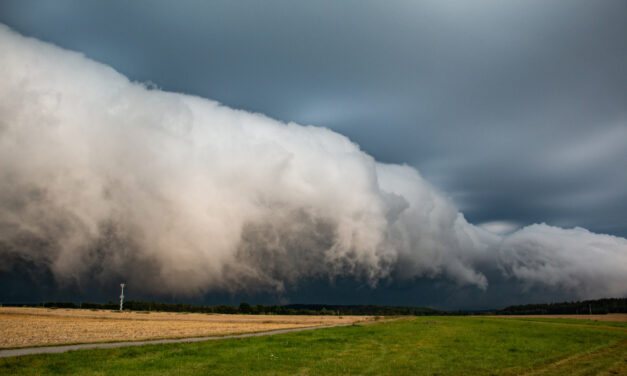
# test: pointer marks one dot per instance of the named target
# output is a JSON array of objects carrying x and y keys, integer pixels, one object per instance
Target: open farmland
[
  {"x": 613, "y": 317},
  {"x": 22, "y": 327},
  {"x": 409, "y": 346}
]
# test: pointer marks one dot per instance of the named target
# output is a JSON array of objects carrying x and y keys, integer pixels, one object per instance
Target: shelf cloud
[{"x": 102, "y": 178}]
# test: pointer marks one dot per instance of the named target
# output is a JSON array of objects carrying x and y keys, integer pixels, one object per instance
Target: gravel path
[{"x": 65, "y": 348}]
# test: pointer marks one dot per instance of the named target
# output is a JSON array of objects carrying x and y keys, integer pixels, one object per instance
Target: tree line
[{"x": 599, "y": 306}]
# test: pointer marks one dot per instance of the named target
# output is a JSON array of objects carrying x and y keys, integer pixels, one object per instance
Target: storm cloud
[{"x": 102, "y": 178}]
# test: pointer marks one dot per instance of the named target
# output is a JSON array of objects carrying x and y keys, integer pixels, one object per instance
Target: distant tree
[{"x": 245, "y": 308}]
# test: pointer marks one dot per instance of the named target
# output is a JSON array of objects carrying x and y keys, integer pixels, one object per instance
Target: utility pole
[{"x": 122, "y": 297}]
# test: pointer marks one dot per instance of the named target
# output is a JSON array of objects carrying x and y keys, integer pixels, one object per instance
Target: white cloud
[
  {"x": 101, "y": 178},
  {"x": 499, "y": 227}
]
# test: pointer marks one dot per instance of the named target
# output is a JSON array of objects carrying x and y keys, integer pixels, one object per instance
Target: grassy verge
[
  {"x": 421, "y": 346},
  {"x": 595, "y": 323}
]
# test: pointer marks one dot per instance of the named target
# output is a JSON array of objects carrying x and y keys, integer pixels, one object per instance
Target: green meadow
[{"x": 407, "y": 346}]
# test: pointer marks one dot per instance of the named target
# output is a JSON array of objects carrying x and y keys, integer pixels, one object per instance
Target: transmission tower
[{"x": 122, "y": 297}]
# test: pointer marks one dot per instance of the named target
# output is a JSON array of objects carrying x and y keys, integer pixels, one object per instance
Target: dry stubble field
[{"x": 24, "y": 327}]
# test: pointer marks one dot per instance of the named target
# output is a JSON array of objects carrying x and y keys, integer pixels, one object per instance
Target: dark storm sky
[{"x": 517, "y": 110}]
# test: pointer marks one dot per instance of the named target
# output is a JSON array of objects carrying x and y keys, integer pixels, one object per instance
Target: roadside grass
[{"x": 417, "y": 346}]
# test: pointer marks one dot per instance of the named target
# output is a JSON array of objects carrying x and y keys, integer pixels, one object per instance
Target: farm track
[
  {"x": 86, "y": 346},
  {"x": 589, "y": 363},
  {"x": 607, "y": 360}
]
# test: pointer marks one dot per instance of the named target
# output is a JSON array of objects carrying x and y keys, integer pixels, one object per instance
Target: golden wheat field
[{"x": 23, "y": 327}]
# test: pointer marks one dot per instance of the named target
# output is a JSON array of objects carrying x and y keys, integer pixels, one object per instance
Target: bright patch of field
[
  {"x": 25, "y": 327},
  {"x": 412, "y": 346}
]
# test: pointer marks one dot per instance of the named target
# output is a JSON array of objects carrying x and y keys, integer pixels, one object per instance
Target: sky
[{"x": 514, "y": 113}]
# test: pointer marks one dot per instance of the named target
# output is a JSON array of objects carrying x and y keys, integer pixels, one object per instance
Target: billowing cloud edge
[{"x": 103, "y": 179}]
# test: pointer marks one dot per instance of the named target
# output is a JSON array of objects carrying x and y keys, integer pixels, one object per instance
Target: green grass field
[{"x": 414, "y": 346}]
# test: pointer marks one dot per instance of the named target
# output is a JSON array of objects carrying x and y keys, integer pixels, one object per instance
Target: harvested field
[
  {"x": 23, "y": 327},
  {"x": 616, "y": 317}
]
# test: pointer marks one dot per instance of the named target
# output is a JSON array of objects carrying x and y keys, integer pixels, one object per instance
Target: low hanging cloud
[{"x": 102, "y": 179}]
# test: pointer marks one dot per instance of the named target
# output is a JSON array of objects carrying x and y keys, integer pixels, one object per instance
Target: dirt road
[{"x": 66, "y": 348}]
